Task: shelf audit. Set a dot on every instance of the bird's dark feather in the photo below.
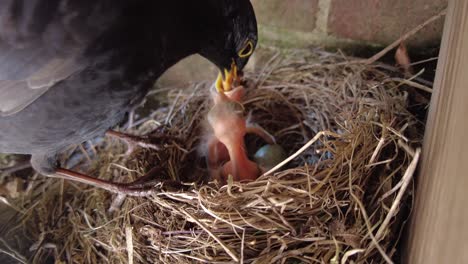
(71, 69)
(40, 42)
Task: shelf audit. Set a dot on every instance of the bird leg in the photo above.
(132, 141)
(140, 187)
(120, 198)
(46, 164)
(117, 203)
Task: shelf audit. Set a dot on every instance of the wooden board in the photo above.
(438, 232)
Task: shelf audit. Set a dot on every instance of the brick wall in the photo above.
(343, 22)
(330, 23)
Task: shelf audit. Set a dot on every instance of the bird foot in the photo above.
(120, 198)
(141, 187)
(117, 202)
(133, 141)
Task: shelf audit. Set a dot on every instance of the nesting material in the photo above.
(342, 197)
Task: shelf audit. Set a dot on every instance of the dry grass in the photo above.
(342, 199)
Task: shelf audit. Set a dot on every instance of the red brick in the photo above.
(384, 21)
(296, 15)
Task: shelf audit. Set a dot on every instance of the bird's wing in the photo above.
(40, 45)
(16, 94)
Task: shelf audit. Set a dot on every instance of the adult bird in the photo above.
(71, 69)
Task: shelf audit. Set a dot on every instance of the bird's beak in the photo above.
(226, 78)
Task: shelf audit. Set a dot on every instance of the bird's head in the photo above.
(231, 37)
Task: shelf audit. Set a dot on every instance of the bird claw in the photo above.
(133, 141)
(145, 185)
(141, 187)
(117, 202)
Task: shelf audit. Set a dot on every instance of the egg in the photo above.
(269, 156)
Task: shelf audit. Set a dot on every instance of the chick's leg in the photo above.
(252, 128)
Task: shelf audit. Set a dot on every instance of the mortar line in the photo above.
(321, 22)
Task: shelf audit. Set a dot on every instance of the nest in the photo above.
(340, 197)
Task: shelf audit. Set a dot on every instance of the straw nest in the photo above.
(341, 198)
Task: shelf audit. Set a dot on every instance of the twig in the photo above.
(223, 245)
(12, 253)
(304, 148)
(406, 180)
(171, 110)
(413, 84)
(129, 240)
(424, 61)
(378, 148)
(404, 37)
(350, 253)
(13, 256)
(375, 242)
(242, 246)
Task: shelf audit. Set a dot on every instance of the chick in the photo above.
(226, 145)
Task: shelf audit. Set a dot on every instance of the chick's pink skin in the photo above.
(235, 95)
(240, 167)
(229, 127)
(217, 152)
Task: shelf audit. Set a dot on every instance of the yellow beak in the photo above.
(225, 84)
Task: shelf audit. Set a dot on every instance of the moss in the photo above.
(289, 39)
(284, 38)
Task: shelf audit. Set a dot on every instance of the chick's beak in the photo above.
(225, 80)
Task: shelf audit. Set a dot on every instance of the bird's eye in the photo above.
(247, 50)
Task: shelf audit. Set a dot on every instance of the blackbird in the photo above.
(71, 69)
